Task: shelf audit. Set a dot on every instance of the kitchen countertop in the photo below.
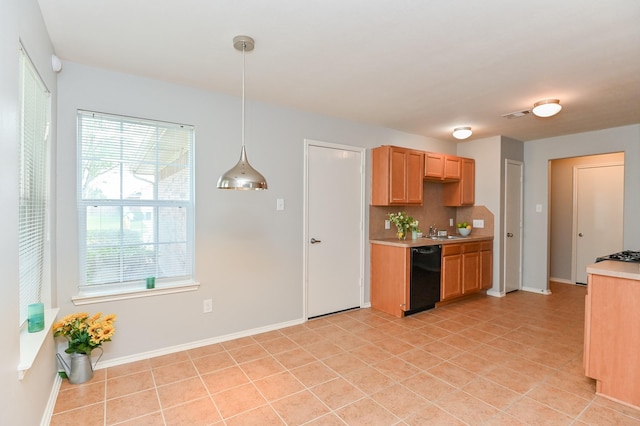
(426, 241)
(613, 268)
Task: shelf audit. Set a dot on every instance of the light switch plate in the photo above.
(478, 223)
(280, 204)
(538, 208)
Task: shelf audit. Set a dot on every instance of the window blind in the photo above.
(34, 183)
(135, 201)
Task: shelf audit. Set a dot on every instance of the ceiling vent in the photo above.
(517, 114)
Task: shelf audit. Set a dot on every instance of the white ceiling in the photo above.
(418, 66)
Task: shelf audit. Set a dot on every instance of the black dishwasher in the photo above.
(424, 288)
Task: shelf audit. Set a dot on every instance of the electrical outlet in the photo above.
(478, 223)
(207, 306)
(450, 221)
(387, 224)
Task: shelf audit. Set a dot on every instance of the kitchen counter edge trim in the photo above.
(611, 268)
(421, 242)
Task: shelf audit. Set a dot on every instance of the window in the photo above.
(35, 103)
(135, 203)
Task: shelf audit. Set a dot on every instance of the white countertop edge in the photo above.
(612, 268)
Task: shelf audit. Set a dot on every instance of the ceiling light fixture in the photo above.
(242, 175)
(546, 108)
(462, 132)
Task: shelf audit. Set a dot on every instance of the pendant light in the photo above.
(242, 175)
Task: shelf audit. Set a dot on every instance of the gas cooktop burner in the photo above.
(623, 256)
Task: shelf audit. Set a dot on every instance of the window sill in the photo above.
(30, 343)
(87, 299)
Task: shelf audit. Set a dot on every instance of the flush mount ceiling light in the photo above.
(242, 175)
(462, 132)
(546, 108)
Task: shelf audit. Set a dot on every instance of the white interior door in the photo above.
(598, 211)
(334, 246)
(513, 226)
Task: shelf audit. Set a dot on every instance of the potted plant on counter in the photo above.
(403, 224)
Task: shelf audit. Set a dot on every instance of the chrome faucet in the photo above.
(433, 231)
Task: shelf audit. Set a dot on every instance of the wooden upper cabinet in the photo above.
(397, 176)
(441, 167)
(462, 193)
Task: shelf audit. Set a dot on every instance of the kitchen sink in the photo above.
(448, 237)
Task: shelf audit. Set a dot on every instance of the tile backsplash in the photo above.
(431, 212)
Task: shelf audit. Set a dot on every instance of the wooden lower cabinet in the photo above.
(486, 265)
(466, 269)
(611, 337)
(390, 278)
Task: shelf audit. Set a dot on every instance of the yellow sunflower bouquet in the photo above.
(85, 333)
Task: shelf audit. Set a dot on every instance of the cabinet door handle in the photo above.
(314, 241)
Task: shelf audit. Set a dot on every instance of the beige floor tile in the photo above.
(132, 383)
(428, 386)
(131, 406)
(173, 372)
(88, 415)
(452, 374)
(466, 407)
(366, 412)
(210, 363)
(224, 379)
(262, 367)
(248, 353)
(368, 367)
(278, 386)
(130, 368)
(295, 358)
(260, 416)
(181, 392)
(337, 393)
(400, 401)
(432, 415)
(300, 408)
(79, 395)
(534, 413)
(234, 401)
(563, 401)
(200, 412)
(314, 373)
(368, 380)
(160, 361)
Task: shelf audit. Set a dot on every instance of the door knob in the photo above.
(580, 234)
(314, 241)
(509, 234)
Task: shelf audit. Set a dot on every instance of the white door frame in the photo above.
(305, 214)
(503, 284)
(574, 219)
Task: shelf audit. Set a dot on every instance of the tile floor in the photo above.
(516, 360)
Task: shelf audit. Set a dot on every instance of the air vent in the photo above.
(517, 114)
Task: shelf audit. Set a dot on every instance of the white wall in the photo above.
(537, 154)
(248, 255)
(21, 402)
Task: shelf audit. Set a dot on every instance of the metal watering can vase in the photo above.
(80, 370)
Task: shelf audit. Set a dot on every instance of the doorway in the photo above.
(562, 220)
(334, 228)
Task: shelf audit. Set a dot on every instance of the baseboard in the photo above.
(546, 292)
(494, 293)
(51, 403)
(192, 345)
(366, 305)
(561, 280)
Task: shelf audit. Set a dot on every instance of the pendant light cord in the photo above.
(244, 45)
